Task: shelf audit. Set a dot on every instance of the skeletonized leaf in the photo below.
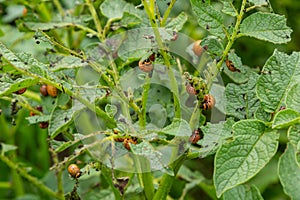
(7, 88)
(238, 161)
(266, 26)
(59, 120)
(289, 173)
(179, 127)
(177, 23)
(244, 192)
(208, 18)
(242, 101)
(279, 74)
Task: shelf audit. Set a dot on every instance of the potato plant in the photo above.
(114, 99)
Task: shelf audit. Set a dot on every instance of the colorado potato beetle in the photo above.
(127, 141)
(20, 91)
(208, 102)
(231, 66)
(74, 171)
(43, 90)
(197, 48)
(43, 125)
(195, 137)
(51, 90)
(146, 65)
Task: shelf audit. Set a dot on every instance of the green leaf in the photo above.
(285, 118)
(7, 147)
(241, 99)
(259, 2)
(238, 161)
(294, 138)
(147, 155)
(214, 45)
(59, 120)
(244, 192)
(27, 64)
(214, 136)
(58, 22)
(38, 118)
(208, 18)
(293, 98)
(266, 26)
(279, 74)
(294, 135)
(289, 173)
(177, 23)
(114, 9)
(179, 127)
(9, 87)
(262, 115)
(229, 9)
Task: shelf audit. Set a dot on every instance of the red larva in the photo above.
(195, 137)
(208, 102)
(43, 90)
(21, 91)
(190, 89)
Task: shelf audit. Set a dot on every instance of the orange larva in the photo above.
(146, 65)
(74, 171)
(195, 137)
(208, 102)
(51, 90)
(21, 91)
(43, 90)
(197, 48)
(231, 66)
(127, 141)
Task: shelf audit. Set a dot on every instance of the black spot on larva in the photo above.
(37, 42)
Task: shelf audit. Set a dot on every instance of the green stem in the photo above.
(167, 13)
(167, 180)
(146, 88)
(59, 7)
(30, 178)
(166, 57)
(233, 35)
(60, 188)
(96, 19)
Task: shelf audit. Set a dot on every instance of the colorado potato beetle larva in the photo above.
(51, 90)
(43, 90)
(20, 91)
(208, 102)
(197, 48)
(74, 171)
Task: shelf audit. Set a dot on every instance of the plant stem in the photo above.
(30, 178)
(146, 88)
(233, 35)
(173, 82)
(167, 180)
(167, 13)
(96, 19)
(59, 7)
